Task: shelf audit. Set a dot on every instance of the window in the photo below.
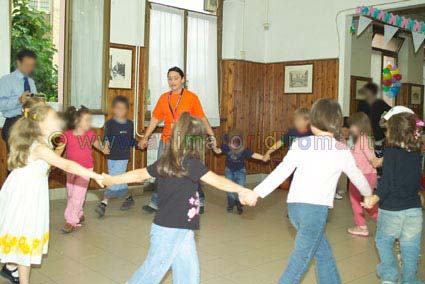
(187, 40)
(191, 5)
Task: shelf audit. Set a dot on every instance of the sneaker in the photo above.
(148, 209)
(338, 196)
(230, 209)
(68, 228)
(359, 231)
(11, 275)
(101, 209)
(202, 210)
(127, 204)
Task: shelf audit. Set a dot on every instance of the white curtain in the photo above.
(87, 53)
(166, 48)
(202, 63)
(4, 43)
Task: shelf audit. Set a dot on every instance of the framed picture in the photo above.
(120, 68)
(211, 5)
(299, 79)
(416, 95)
(360, 83)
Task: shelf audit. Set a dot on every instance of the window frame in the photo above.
(219, 16)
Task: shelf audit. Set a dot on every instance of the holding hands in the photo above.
(248, 197)
(370, 201)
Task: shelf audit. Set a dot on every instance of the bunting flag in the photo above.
(389, 32)
(364, 22)
(418, 39)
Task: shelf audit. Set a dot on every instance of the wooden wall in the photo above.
(252, 99)
(404, 98)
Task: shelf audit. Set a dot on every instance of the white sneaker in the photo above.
(338, 196)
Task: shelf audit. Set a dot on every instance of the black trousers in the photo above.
(10, 121)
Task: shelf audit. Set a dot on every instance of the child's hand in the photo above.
(99, 180)
(377, 163)
(370, 201)
(248, 197)
(266, 157)
(106, 150)
(108, 180)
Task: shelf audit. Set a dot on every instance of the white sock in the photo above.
(12, 267)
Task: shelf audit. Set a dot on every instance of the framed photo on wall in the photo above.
(360, 83)
(299, 79)
(416, 93)
(211, 5)
(120, 68)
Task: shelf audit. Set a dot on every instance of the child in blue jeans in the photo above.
(400, 212)
(236, 153)
(178, 172)
(119, 139)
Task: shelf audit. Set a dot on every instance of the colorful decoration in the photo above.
(391, 19)
(352, 27)
(391, 81)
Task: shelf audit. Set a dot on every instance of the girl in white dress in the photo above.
(24, 197)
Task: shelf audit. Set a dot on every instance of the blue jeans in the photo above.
(170, 247)
(117, 167)
(310, 221)
(238, 177)
(406, 226)
(153, 202)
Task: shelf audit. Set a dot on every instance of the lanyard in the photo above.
(177, 104)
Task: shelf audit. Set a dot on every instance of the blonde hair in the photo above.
(24, 133)
(362, 122)
(302, 112)
(186, 142)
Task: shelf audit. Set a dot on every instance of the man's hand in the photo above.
(143, 143)
(24, 97)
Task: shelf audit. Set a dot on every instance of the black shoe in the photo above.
(127, 204)
(230, 209)
(240, 210)
(148, 209)
(6, 273)
(202, 210)
(100, 210)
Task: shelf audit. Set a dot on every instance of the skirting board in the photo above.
(95, 195)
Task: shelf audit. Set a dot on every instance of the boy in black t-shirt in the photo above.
(119, 138)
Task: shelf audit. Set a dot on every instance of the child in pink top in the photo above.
(79, 139)
(364, 155)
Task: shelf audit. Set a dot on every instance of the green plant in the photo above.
(30, 29)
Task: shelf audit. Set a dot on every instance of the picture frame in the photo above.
(211, 6)
(359, 84)
(416, 93)
(298, 79)
(120, 68)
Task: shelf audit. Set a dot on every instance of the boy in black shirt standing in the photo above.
(119, 138)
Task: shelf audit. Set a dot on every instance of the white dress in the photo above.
(24, 214)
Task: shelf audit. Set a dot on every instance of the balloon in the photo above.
(396, 71)
(387, 76)
(385, 88)
(387, 71)
(397, 84)
(395, 67)
(399, 77)
(395, 90)
(389, 66)
(386, 83)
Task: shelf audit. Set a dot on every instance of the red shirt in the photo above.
(79, 148)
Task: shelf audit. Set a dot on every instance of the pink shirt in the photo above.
(363, 154)
(78, 148)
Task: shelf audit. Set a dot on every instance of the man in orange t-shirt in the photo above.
(168, 109)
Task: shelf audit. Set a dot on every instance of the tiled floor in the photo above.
(252, 248)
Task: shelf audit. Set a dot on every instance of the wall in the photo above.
(4, 38)
(253, 101)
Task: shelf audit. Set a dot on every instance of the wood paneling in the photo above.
(253, 100)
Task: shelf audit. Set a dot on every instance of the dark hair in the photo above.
(72, 115)
(371, 88)
(401, 130)
(25, 53)
(326, 115)
(186, 141)
(176, 69)
(235, 140)
(120, 100)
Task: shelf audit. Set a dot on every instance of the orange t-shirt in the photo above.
(189, 102)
